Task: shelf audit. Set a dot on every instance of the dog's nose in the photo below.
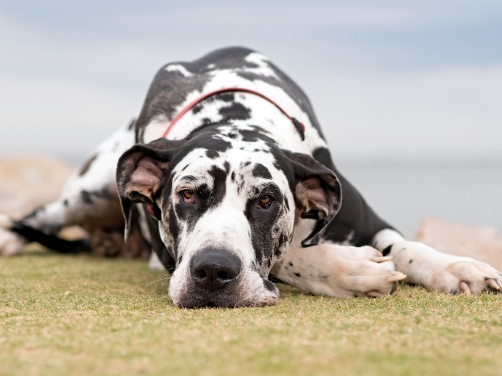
(213, 269)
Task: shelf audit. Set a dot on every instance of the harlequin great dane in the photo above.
(236, 185)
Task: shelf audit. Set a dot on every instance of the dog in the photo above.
(226, 176)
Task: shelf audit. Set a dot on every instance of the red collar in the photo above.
(299, 126)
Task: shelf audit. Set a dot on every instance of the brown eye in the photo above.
(264, 202)
(188, 196)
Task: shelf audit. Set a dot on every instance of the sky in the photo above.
(398, 80)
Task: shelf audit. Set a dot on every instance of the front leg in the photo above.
(338, 271)
(434, 270)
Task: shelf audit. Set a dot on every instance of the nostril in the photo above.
(223, 275)
(201, 273)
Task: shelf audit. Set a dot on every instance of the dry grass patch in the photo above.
(66, 315)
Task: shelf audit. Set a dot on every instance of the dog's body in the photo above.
(242, 186)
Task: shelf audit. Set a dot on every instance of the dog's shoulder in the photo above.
(176, 83)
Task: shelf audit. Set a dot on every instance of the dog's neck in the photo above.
(243, 109)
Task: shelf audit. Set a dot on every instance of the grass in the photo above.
(67, 315)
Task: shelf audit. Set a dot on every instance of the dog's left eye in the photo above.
(264, 202)
(188, 196)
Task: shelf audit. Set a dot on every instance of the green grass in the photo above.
(67, 315)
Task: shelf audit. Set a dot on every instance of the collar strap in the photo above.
(299, 126)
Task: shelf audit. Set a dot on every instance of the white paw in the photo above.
(364, 272)
(372, 279)
(10, 243)
(468, 276)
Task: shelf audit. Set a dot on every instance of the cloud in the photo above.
(59, 117)
(455, 110)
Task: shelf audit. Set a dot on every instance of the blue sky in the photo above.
(387, 78)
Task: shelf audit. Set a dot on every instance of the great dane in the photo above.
(236, 188)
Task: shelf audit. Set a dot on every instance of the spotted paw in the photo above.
(339, 271)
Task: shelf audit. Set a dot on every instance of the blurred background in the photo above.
(409, 93)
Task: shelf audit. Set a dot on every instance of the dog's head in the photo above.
(226, 199)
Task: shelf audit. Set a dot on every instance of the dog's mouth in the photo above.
(238, 295)
(226, 302)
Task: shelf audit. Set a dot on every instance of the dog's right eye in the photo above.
(188, 196)
(264, 202)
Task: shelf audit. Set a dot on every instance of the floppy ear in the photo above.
(318, 193)
(141, 175)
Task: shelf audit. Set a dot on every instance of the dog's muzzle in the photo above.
(218, 277)
(214, 269)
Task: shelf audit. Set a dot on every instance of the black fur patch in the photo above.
(226, 97)
(268, 285)
(235, 111)
(263, 221)
(212, 154)
(204, 200)
(87, 165)
(273, 278)
(355, 217)
(260, 171)
(51, 241)
(387, 250)
(86, 197)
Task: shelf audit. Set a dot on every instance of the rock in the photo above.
(481, 243)
(29, 182)
(72, 233)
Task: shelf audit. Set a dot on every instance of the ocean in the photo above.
(403, 196)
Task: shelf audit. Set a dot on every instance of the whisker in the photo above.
(158, 280)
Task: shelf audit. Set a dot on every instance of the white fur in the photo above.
(179, 68)
(263, 68)
(155, 263)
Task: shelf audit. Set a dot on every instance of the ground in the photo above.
(67, 315)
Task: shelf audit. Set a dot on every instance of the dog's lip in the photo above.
(212, 303)
(196, 297)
